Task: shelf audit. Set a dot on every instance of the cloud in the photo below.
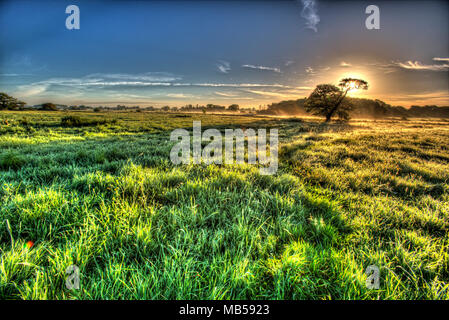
(148, 76)
(179, 95)
(223, 66)
(250, 66)
(267, 93)
(233, 85)
(32, 89)
(441, 59)
(234, 95)
(436, 97)
(310, 13)
(384, 67)
(416, 65)
(310, 70)
(77, 86)
(110, 80)
(15, 74)
(136, 88)
(223, 94)
(435, 94)
(121, 83)
(289, 93)
(116, 83)
(23, 64)
(345, 64)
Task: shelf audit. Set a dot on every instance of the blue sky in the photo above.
(223, 52)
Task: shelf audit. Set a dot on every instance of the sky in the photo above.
(196, 52)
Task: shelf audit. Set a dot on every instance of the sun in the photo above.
(355, 88)
(352, 86)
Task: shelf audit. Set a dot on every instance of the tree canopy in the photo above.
(48, 106)
(9, 103)
(328, 100)
(234, 107)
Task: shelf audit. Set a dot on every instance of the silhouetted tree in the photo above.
(328, 100)
(10, 103)
(234, 107)
(48, 106)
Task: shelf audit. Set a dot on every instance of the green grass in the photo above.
(99, 191)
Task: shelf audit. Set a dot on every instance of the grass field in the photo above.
(99, 191)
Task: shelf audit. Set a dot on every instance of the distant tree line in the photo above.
(361, 108)
(209, 108)
(350, 107)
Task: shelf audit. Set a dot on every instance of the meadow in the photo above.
(98, 190)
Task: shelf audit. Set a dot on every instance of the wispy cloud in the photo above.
(32, 89)
(138, 88)
(250, 66)
(384, 67)
(148, 76)
(441, 59)
(180, 95)
(268, 93)
(94, 83)
(310, 70)
(224, 94)
(14, 74)
(233, 85)
(436, 97)
(310, 13)
(234, 95)
(313, 71)
(290, 93)
(223, 66)
(394, 66)
(416, 65)
(23, 64)
(345, 64)
(97, 81)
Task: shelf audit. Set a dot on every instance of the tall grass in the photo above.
(105, 197)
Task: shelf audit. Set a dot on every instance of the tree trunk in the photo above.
(335, 108)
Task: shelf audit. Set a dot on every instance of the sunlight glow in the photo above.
(352, 86)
